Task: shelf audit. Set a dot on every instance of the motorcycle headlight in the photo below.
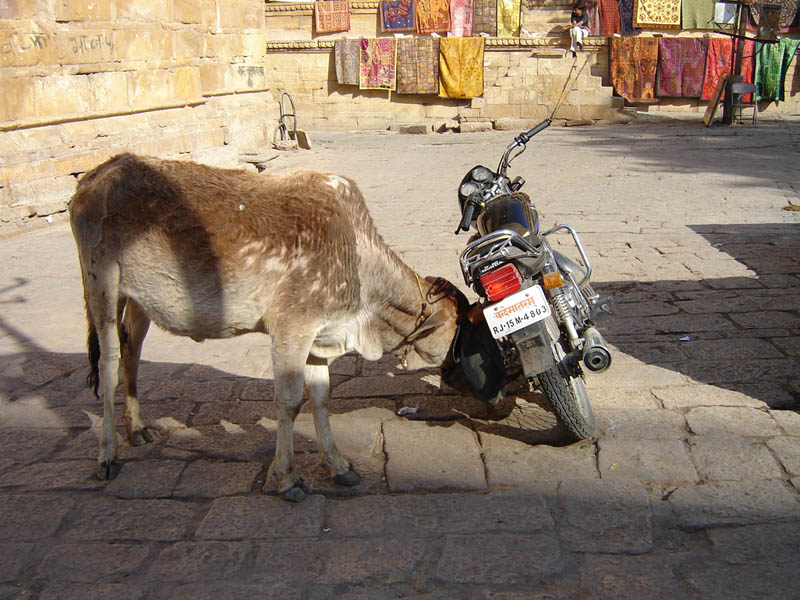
(481, 174)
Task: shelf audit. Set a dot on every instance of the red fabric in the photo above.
(718, 64)
(609, 17)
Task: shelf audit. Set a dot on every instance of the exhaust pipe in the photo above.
(596, 355)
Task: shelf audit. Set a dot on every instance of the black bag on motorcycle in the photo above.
(475, 365)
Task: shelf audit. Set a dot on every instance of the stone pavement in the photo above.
(691, 491)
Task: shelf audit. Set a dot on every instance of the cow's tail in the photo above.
(93, 347)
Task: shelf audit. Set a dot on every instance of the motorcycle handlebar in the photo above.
(469, 211)
(524, 138)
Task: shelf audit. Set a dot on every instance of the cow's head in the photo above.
(443, 308)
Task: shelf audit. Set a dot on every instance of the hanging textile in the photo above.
(432, 16)
(657, 14)
(508, 18)
(397, 15)
(772, 62)
(378, 61)
(331, 15)
(460, 18)
(718, 64)
(418, 65)
(484, 17)
(697, 14)
(681, 64)
(593, 14)
(609, 17)
(461, 67)
(346, 59)
(633, 67)
(789, 20)
(626, 18)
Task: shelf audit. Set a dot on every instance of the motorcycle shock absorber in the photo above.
(564, 316)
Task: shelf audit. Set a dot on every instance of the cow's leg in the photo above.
(102, 300)
(133, 330)
(288, 357)
(317, 380)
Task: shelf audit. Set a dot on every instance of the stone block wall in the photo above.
(83, 80)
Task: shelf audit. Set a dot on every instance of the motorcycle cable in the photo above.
(563, 94)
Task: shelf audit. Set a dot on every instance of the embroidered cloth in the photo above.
(772, 62)
(718, 64)
(378, 62)
(626, 17)
(633, 67)
(508, 18)
(460, 18)
(592, 9)
(609, 17)
(418, 65)
(397, 15)
(681, 64)
(432, 16)
(346, 59)
(484, 17)
(331, 15)
(790, 15)
(657, 14)
(461, 67)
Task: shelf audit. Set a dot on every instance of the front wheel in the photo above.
(570, 401)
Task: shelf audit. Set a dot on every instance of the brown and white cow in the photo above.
(214, 253)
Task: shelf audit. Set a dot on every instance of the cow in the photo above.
(213, 253)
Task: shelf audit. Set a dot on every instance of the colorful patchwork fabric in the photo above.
(346, 58)
(432, 16)
(633, 67)
(718, 64)
(508, 18)
(418, 65)
(378, 62)
(484, 17)
(397, 15)
(461, 67)
(460, 18)
(331, 15)
(657, 14)
(681, 64)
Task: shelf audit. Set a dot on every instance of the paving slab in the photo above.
(647, 460)
(720, 457)
(747, 422)
(734, 503)
(424, 456)
(611, 517)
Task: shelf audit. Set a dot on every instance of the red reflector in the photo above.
(499, 283)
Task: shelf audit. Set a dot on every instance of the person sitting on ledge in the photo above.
(579, 27)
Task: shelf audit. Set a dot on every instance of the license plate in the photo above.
(517, 311)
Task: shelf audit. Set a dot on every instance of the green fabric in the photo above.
(697, 14)
(772, 62)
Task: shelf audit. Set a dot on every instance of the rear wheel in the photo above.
(570, 401)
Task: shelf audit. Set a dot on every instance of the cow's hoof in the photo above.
(108, 470)
(348, 478)
(140, 437)
(296, 493)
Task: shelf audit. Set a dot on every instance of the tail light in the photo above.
(500, 282)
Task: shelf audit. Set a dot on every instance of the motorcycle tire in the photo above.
(570, 401)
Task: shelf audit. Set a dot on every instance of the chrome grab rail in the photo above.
(500, 241)
(581, 250)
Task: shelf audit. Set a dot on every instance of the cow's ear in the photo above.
(435, 320)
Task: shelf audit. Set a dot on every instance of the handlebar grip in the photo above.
(466, 218)
(525, 137)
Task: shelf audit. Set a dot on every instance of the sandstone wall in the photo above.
(84, 79)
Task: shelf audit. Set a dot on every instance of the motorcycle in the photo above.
(537, 310)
